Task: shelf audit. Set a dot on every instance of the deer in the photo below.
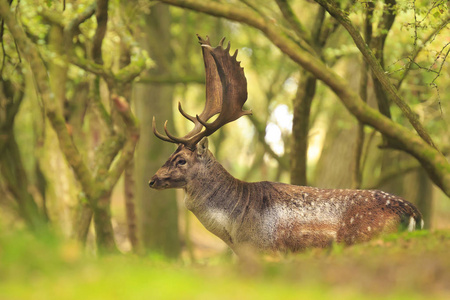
(269, 217)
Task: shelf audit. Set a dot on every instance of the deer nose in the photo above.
(151, 183)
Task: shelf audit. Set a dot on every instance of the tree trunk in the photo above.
(130, 206)
(62, 184)
(424, 197)
(104, 232)
(159, 212)
(82, 222)
(300, 128)
(12, 168)
(16, 180)
(333, 168)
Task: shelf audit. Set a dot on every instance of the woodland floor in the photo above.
(405, 266)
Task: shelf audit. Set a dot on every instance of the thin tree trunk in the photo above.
(360, 136)
(424, 197)
(187, 235)
(300, 128)
(129, 182)
(130, 206)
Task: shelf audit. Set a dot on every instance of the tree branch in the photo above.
(420, 48)
(292, 19)
(376, 67)
(101, 13)
(132, 127)
(71, 28)
(377, 45)
(132, 70)
(91, 67)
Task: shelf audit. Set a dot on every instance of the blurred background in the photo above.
(81, 81)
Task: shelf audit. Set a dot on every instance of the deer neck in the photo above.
(213, 195)
(212, 187)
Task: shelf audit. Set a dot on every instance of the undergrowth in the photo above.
(403, 266)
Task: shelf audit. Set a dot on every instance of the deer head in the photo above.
(226, 93)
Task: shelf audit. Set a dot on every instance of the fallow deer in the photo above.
(268, 216)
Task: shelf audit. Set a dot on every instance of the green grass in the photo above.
(406, 266)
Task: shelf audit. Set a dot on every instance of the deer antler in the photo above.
(226, 93)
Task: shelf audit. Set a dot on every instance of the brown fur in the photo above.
(273, 216)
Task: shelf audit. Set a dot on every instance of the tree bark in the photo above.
(104, 233)
(300, 128)
(424, 198)
(130, 207)
(159, 212)
(11, 164)
(82, 221)
(16, 181)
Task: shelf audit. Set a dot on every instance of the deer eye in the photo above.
(181, 162)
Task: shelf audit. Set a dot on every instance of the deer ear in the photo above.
(202, 146)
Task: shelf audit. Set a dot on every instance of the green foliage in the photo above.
(405, 266)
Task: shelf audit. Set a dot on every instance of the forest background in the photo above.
(344, 94)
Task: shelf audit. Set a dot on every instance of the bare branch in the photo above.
(418, 50)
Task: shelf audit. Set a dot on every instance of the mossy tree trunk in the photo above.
(12, 170)
(104, 232)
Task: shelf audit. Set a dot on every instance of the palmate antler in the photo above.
(226, 93)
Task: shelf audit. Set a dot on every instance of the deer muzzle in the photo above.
(158, 184)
